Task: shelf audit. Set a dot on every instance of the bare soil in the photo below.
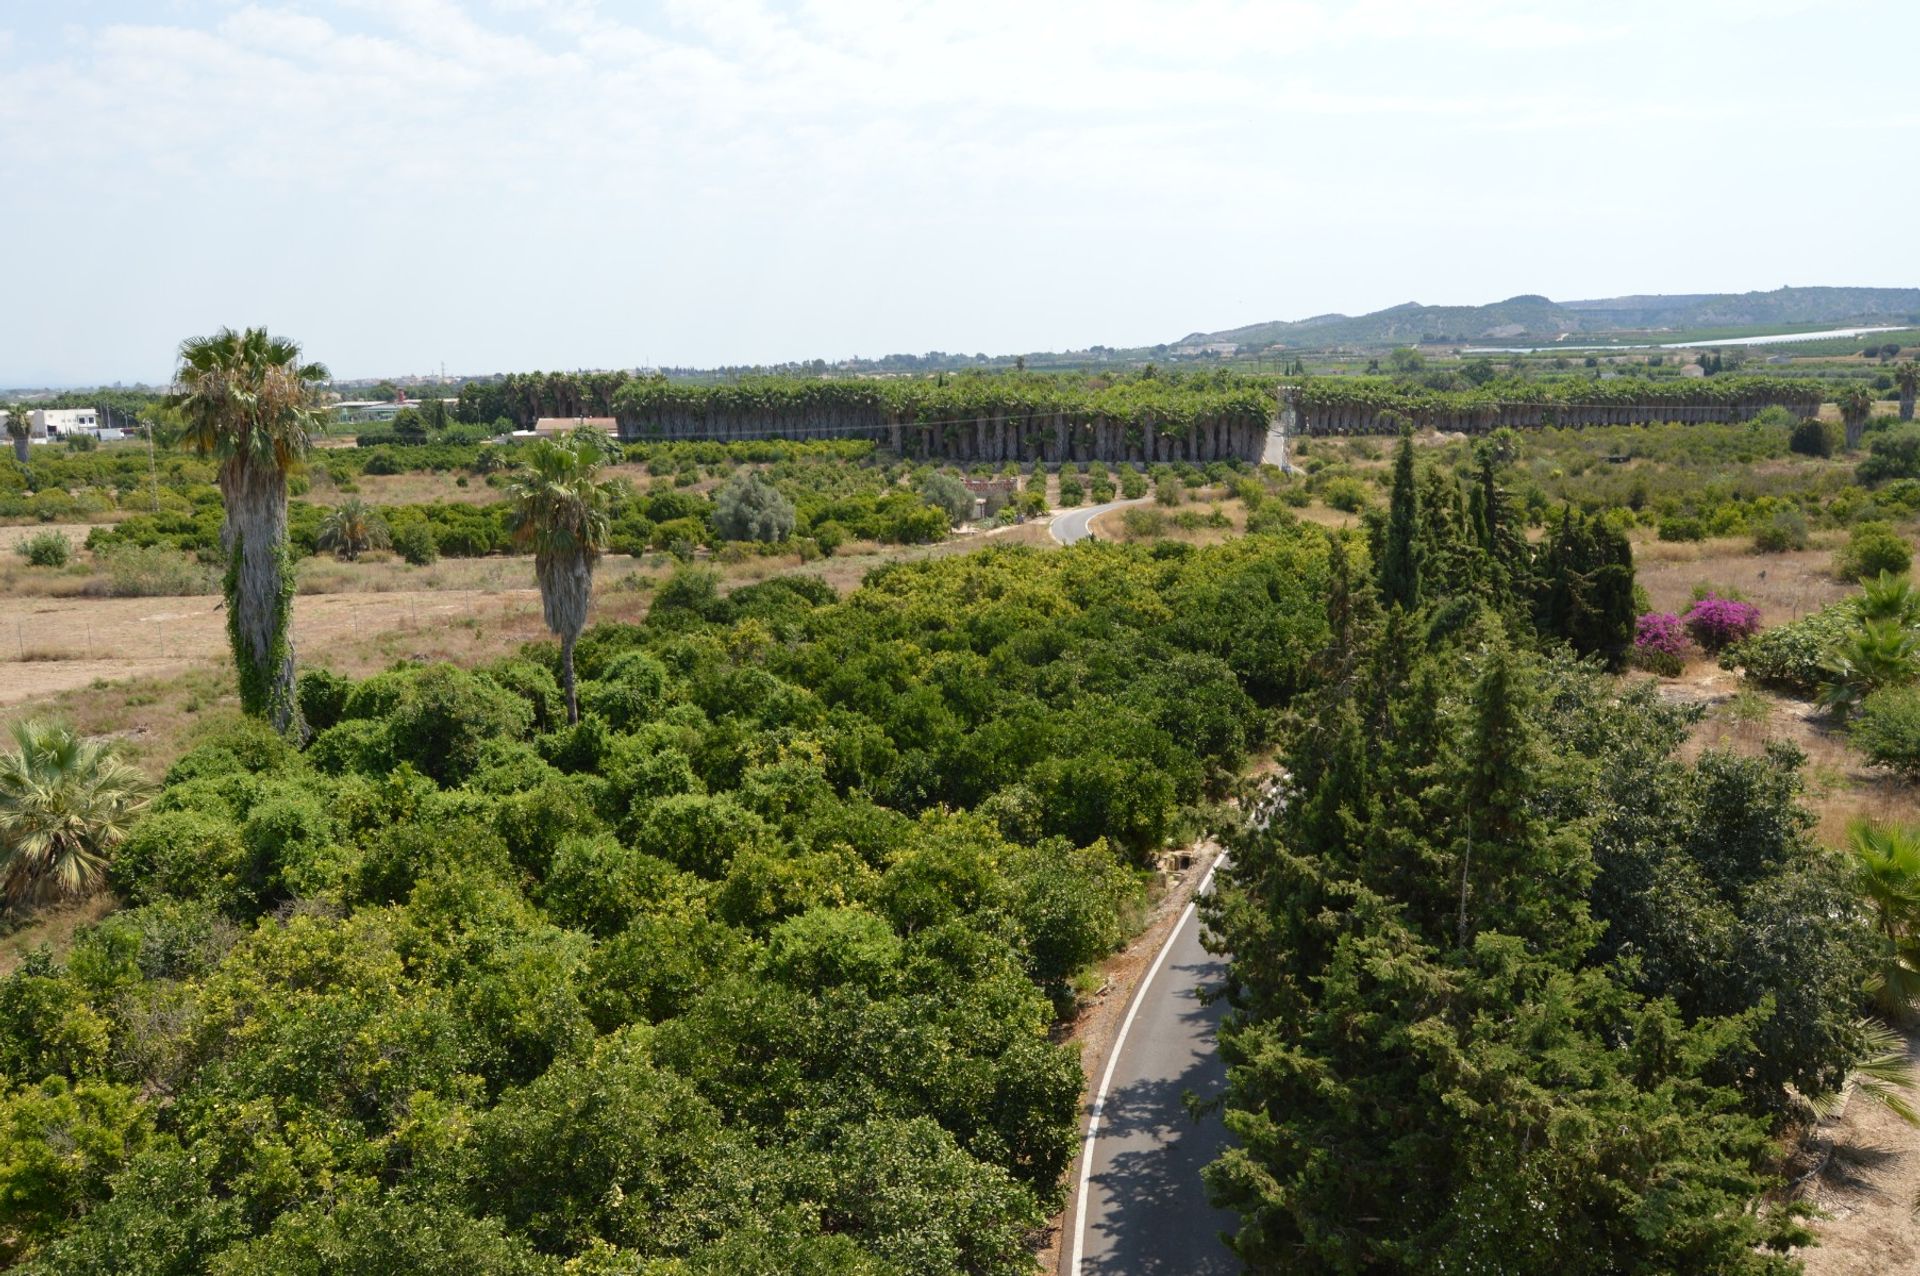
(1867, 1189)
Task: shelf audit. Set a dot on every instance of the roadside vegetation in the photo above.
(743, 929)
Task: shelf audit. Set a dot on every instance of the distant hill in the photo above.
(1530, 316)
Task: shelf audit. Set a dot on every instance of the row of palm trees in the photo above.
(251, 402)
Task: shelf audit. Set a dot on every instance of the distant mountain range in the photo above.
(1537, 317)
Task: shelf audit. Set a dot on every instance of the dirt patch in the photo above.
(1783, 586)
(51, 928)
(1867, 1187)
(13, 534)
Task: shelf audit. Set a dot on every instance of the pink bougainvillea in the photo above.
(1660, 633)
(1717, 622)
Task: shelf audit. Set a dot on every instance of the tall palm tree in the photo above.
(353, 527)
(65, 803)
(249, 401)
(1906, 375)
(19, 429)
(1856, 404)
(560, 513)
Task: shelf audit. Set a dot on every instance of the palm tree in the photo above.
(1856, 404)
(352, 528)
(560, 513)
(65, 803)
(1890, 597)
(19, 429)
(1886, 875)
(249, 401)
(1906, 375)
(1881, 653)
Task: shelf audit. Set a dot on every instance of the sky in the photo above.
(493, 185)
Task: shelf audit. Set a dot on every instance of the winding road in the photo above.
(1141, 1209)
(1069, 526)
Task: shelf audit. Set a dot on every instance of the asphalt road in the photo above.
(1073, 525)
(1142, 1210)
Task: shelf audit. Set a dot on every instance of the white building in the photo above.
(50, 425)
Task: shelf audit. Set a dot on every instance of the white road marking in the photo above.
(1113, 1058)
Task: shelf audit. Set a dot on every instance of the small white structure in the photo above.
(51, 425)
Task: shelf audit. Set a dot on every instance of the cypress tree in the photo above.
(1400, 548)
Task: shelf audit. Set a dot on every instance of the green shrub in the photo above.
(1892, 454)
(1133, 484)
(748, 508)
(1143, 524)
(1344, 493)
(185, 855)
(1071, 493)
(1792, 657)
(949, 495)
(447, 716)
(1271, 517)
(150, 571)
(1169, 491)
(1682, 527)
(323, 698)
(1812, 438)
(1786, 530)
(414, 542)
(1872, 548)
(1888, 729)
(46, 549)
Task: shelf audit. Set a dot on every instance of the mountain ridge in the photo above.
(1534, 316)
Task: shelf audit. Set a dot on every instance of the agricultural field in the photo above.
(776, 885)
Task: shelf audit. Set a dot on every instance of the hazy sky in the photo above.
(500, 184)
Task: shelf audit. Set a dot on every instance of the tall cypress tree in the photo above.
(1400, 550)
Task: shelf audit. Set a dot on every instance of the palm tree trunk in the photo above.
(566, 675)
(1906, 414)
(259, 591)
(20, 440)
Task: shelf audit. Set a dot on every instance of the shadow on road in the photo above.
(1154, 1219)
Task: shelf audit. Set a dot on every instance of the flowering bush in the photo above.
(1717, 622)
(1660, 643)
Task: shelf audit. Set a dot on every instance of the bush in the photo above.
(1893, 454)
(1888, 730)
(1344, 493)
(1812, 438)
(1873, 548)
(1133, 484)
(1660, 644)
(949, 495)
(1682, 527)
(1169, 491)
(447, 716)
(46, 549)
(1716, 623)
(748, 508)
(414, 542)
(1270, 518)
(148, 571)
(1071, 493)
(1786, 530)
(323, 698)
(1793, 657)
(1143, 524)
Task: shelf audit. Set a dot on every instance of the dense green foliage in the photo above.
(753, 969)
(1512, 984)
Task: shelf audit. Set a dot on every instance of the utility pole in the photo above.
(153, 471)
